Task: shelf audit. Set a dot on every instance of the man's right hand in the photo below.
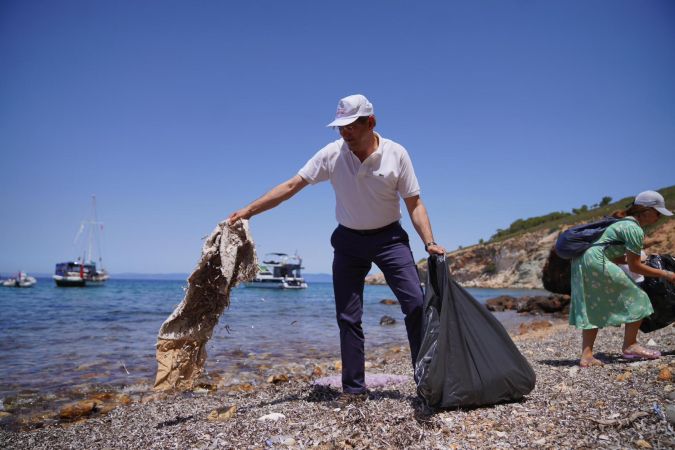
(243, 213)
(272, 198)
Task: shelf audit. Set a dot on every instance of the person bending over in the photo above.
(603, 294)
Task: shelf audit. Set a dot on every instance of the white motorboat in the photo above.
(279, 271)
(21, 280)
(83, 271)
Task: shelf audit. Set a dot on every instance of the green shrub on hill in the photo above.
(526, 224)
(555, 220)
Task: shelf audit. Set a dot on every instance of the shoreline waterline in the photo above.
(63, 345)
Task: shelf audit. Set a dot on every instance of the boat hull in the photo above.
(77, 282)
(69, 282)
(21, 284)
(276, 284)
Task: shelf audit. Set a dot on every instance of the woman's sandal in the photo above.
(641, 353)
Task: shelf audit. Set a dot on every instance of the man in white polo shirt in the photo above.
(368, 173)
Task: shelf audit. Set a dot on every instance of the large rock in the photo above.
(532, 305)
(511, 263)
(389, 301)
(501, 303)
(387, 320)
(80, 409)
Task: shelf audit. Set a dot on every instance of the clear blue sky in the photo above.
(176, 113)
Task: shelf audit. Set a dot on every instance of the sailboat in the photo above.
(83, 271)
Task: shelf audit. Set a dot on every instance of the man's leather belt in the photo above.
(370, 232)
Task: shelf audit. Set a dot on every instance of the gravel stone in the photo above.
(569, 408)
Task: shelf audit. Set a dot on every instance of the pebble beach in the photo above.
(625, 404)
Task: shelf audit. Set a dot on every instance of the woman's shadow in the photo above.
(606, 358)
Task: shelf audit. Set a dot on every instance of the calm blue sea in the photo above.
(56, 339)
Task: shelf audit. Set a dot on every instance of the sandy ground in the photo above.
(624, 404)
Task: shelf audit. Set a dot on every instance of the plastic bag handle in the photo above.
(436, 278)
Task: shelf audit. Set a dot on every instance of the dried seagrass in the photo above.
(228, 257)
(620, 422)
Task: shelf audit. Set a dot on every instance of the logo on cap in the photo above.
(343, 110)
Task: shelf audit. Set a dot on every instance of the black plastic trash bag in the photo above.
(466, 358)
(661, 293)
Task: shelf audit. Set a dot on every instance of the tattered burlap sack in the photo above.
(228, 257)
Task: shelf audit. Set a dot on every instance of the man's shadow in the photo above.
(320, 393)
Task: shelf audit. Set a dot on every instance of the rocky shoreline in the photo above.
(624, 404)
(558, 305)
(518, 262)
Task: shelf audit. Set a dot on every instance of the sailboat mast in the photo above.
(92, 224)
(98, 229)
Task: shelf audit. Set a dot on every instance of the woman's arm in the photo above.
(636, 266)
(620, 260)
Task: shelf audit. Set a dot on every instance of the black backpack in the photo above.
(573, 242)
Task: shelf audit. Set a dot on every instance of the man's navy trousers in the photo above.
(354, 253)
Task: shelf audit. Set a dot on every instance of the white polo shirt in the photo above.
(366, 193)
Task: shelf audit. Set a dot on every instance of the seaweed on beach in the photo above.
(624, 404)
(228, 257)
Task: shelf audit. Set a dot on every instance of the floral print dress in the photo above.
(602, 294)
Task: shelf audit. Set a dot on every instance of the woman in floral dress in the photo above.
(602, 294)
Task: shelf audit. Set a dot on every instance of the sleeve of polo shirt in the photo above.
(316, 169)
(407, 181)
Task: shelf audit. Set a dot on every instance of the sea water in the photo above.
(56, 339)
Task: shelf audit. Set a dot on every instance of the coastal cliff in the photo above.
(517, 262)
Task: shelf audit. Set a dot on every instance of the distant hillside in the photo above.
(309, 277)
(514, 258)
(582, 214)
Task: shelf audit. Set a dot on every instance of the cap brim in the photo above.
(342, 121)
(663, 211)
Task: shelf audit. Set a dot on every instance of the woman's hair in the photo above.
(632, 210)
